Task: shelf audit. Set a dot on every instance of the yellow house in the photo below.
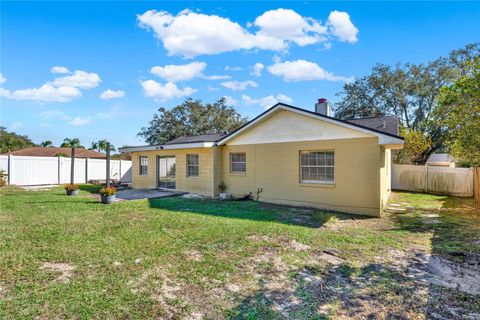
(286, 155)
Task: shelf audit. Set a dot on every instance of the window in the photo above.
(192, 165)
(317, 166)
(238, 163)
(143, 165)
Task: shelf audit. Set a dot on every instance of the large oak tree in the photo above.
(192, 117)
(409, 91)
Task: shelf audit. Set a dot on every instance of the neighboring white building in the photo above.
(441, 160)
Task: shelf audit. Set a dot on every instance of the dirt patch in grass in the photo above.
(193, 255)
(65, 270)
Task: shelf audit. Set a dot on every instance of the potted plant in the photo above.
(221, 188)
(108, 194)
(3, 178)
(72, 189)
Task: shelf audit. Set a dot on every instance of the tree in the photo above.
(10, 141)
(101, 145)
(46, 143)
(460, 113)
(93, 146)
(415, 144)
(71, 143)
(409, 91)
(191, 118)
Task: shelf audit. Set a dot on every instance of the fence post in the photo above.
(476, 185)
(59, 170)
(9, 168)
(86, 170)
(426, 178)
(120, 171)
(108, 165)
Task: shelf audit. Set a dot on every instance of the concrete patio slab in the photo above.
(136, 194)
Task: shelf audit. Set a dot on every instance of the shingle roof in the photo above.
(388, 124)
(53, 151)
(213, 137)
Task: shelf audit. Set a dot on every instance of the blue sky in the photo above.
(206, 50)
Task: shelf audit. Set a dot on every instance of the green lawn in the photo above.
(72, 257)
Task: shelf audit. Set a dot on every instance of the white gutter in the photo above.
(167, 147)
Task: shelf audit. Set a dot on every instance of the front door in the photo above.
(166, 172)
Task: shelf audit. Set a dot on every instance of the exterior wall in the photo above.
(272, 130)
(362, 174)
(385, 175)
(217, 156)
(203, 184)
(275, 169)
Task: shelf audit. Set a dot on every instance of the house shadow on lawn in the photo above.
(453, 222)
(376, 291)
(251, 210)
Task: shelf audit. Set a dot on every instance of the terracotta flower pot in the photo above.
(108, 199)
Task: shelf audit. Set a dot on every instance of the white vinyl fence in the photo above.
(441, 180)
(29, 171)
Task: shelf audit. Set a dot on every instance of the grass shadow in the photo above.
(251, 210)
(90, 188)
(340, 291)
(453, 222)
(374, 291)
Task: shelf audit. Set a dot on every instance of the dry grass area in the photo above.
(173, 258)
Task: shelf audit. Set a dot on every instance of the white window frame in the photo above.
(232, 162)
(301, 166)
(140, 165)
(189, 165)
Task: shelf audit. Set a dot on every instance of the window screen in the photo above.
(238, 163)
(317, 166)
(143, 165)
(193, 167)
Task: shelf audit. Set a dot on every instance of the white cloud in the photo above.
(2, 79)
(58, 69)
(302, 70)
(61, 89)
(45, 93)
(79, 79)
(15, 126)
(216, 77)
(175, 73)
(230, 101)
(111, 94)
(54, 114)
(231, 68)
(282, 25)
(257, 69)
(45, 125)
(341, 26)
(268, 101)
(238, 85)
(168, 91)
(191, 34)
(81, 121)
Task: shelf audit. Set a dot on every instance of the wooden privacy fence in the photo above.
(25, 171)
(476, 185)
(441, 180)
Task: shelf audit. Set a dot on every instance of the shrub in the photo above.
(71, 187)
(3, 180)
(108, 191)
(222, 187)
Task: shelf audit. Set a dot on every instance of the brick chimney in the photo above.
(323, 107)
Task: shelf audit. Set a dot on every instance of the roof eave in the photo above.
(168, 147)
